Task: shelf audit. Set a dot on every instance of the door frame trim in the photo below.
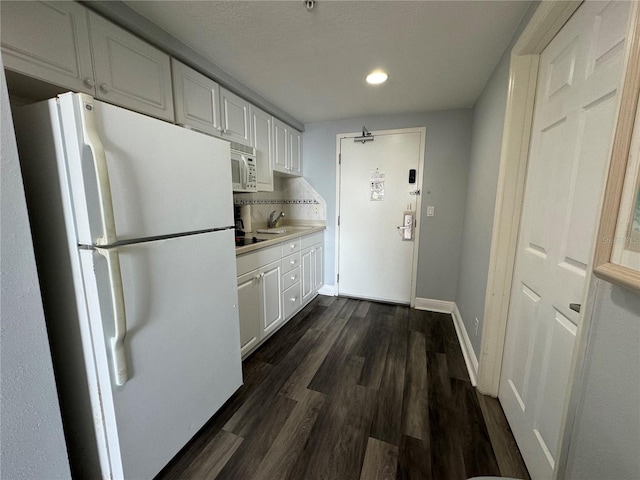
(416, 249)
(545, 23)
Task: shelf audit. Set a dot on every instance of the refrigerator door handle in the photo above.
(118, 357)
(92, 140)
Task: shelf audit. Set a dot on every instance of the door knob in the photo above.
(575, 307)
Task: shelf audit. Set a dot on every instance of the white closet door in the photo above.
(576, 100)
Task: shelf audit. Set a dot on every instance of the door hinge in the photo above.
(338, 220)
(338, 278)
(339, 159)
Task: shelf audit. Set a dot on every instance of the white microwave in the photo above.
(243, 170)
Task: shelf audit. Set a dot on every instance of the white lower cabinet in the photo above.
(274, 283)
(311, 260)
(259, 295)
(271, 286)
(319, 267)
(249, 306)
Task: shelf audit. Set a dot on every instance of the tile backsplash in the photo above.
(293, 196)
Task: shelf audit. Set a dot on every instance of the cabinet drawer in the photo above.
(290, 246)
(288, 279)
(291, 300)
(251, 261)
(312, 239)
(290, 262)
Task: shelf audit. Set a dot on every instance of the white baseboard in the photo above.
(443, 306)
(329, 290)
(465, 344)
(440, 306)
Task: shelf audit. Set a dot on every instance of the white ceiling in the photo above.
(439, 54)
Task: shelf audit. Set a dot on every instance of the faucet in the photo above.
(273, 220)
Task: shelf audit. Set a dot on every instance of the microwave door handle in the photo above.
(246, 171)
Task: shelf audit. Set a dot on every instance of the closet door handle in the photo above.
(575, 307)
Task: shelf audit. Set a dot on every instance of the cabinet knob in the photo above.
(89, 82)
(104, 87)
(293, 300)
(293, 262)
(293, 277)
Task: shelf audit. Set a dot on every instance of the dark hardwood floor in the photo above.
(353, 389)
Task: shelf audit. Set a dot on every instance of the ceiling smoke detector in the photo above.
(309, 4)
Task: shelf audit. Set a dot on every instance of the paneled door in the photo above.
(376, 189)
(576, 101)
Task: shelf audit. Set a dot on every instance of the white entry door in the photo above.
(375, 260)
(576, 100)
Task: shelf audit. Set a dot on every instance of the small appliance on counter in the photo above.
(239, 224)
(245, 216)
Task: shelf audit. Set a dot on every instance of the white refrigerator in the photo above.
(132, 221)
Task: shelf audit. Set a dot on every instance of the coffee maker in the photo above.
(238, 221)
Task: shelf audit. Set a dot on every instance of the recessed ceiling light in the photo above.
(376, 77)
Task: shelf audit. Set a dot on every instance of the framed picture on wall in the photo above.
(618, 250)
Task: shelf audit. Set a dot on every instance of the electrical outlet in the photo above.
(431, 211)
(477, 325)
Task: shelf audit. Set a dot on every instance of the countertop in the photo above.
(291, 231)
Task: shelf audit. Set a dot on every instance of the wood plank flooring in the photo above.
(352, 389)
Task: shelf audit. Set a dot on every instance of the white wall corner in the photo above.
(329, 290)
(465, 344)
(440, 306)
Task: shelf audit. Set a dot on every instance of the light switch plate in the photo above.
(431, 211)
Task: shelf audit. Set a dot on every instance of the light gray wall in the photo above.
(31, 435)
(605, 439)
(605, 442)
(484, 163)
(444, 186)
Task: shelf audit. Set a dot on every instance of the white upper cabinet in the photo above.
(236, 126)
(287, 149)
(196, 99)
(130, 72)
(280, 146)
(48, 41)
(295, 152)
(262, 140)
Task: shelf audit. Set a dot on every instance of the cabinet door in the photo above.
(263, 143)
(280, 146)
(196, 99)
(270, 279)
(295, 152)
(318, 281)
(307, 267)
(48, 41)
(129, 71)
(249, 304)
(235, 118)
